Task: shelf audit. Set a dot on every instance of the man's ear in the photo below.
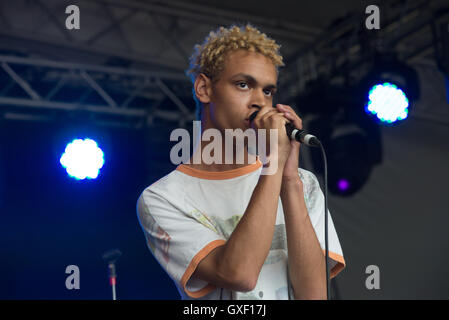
(203, 88)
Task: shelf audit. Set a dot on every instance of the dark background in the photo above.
(51, 221)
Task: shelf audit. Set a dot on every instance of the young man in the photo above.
(224, 230)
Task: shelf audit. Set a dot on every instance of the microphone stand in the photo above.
(112, 279)
(111, 257)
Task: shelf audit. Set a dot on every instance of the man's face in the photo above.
(246, 84)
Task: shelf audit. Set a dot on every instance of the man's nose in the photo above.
(258, 99)
(255, 106)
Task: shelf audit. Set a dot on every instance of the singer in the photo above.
(225, 231)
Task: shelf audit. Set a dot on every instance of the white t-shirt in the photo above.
(189, 212)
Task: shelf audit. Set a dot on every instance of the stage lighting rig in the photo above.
(389, 89)
(81, 148)
(82, 159)
(351, 139)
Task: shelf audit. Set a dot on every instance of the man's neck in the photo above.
(235, 162)
(239, 158)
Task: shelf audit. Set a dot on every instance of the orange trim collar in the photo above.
(219, 175)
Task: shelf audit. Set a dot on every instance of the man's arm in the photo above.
(306, 263)
(237, 264)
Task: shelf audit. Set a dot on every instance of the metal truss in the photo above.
(348, 46)
(121, 97)
(131, 55)
(342, 55)
(141, 46)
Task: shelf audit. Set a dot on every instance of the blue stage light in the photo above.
(387, 102)
(82, 159)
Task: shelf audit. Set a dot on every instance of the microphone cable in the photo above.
(326, 240)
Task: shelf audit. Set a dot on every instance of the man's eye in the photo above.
(269, 92)
(242, 85)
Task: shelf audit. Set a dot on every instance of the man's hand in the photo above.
(269, 118)
(292, 163)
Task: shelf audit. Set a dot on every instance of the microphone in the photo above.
(295, 133)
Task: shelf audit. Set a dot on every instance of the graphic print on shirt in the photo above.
(203, 219)
(274, 265)
(223, 227)
(226, 226)
(157, 237)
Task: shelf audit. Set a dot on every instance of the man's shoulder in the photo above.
(169, 189)
(171, 183)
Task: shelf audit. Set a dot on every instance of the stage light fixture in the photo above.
(349, 164)
(82, 159)
(389, 90)
(80, 148)
(387, 102)
(353, 146)
(343, 184)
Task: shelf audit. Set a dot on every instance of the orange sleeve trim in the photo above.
(192, 266)
(341, 263)
(219, 175)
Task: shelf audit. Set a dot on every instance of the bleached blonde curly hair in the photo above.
(209, 57)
